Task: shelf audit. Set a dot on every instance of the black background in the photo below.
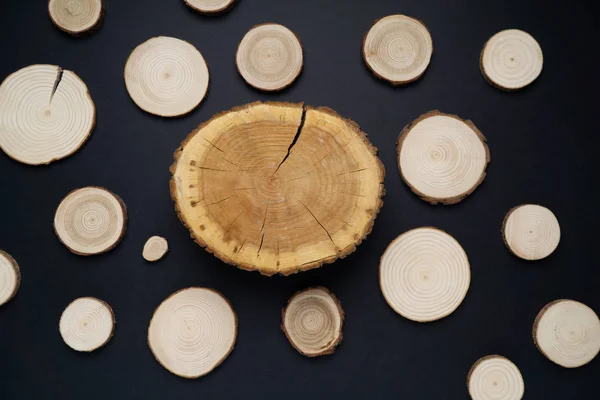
(543, 143)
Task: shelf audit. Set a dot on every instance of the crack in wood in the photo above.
(262, 230)
(295, 139)
(59, 76)
(213, 145)
(320, 224)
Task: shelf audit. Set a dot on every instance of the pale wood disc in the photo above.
(155, 248)
(192, 332)
(424, 274)
(495, 378)
(90, 220)
(567, 332)
(46, 113)
(210, 6)
(511, 59)
(312, 321)
(531, 231)
(76, 16)
(270, 57)
(87, 324)
(398, 49)
(10, 277)
(442, 158)
(277, 188)
(166, 76)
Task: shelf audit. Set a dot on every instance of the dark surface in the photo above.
(543, 142)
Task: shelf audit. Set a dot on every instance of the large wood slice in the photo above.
(278, 187)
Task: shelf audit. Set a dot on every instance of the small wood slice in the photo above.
(10, 277)
(424, 274)
(278, 187)
(210, 6)
(531, 232)
(76, 17)
(90, 220)
(511, 59)
(442, 158)
(312, 322)
(398, 49)
(46, 113)
(270, 57)
(495, 378)
(567, 332)
(87, 324)
(192, 332)
(155, 248)
(166, 76)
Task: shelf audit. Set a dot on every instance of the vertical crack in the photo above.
(262, 230)
(59, 76)
(318, 222)
(296, 137)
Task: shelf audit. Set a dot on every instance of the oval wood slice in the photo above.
(567, 332)
(87, 324)
(270, 57)
(442, 158)
(511, 59)
(531, 232)
(155, 248)
(312, 322)
(10, 277)
(210, 6)
(76, 17)
(495, 378)
(398, 49)
(90, 220)
(166, 76)
(424, 274)
(46, 113)
(192, 332)
(276, 187)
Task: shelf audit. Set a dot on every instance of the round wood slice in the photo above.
(210, 6)
(270, 57)
(155, 248)
(567, 332)
(424, 274)
(531, 232)
(90, 220)
(192, 332)
(442, 158)
(312, 322)
(398, 49)
(166, 76)
(10, 277)
(511, 59)
(87, 324)
(46, 113)
(495, 378)
(76, 17)
(276, 187)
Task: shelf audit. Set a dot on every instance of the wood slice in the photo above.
(276, 187)
(155, 248)
(567, 332)
(210, 6)
(531, 232)
(511, 59)
(270, 57)
(46, 113)
(192, 332)
(90, 220)
(10, 277)
(312, 322)
(424, 274)
(76, 17)
(87, 324)
(442, 158)
(495, 378)
(398, 49)
(166, 76)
